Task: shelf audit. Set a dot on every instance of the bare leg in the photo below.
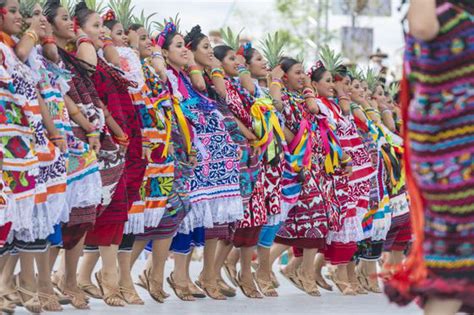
(192, 287)
(223, 250)
(86, 268)
(138, 247)
(125, 279)
(109, 275)
(208, 274)
(276, 251)
(442, 307)
(319, 263)
(245, 276)
(179, 277)
(233, 257)
(307, 265)
(7, 284)
(27, 283)
(264, 268)
(45, 288)
(160, 253)
(293, 265)
(53, 255)
(70, 263)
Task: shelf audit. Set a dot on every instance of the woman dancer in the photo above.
(439, 163)
(239, 101)
(208, 184)
(33, 227)
(306, 226)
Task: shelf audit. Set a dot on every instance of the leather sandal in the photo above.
(91, 290)
(266, 287)
(154, 288)
(226, 289)
(130, 296)
(32, 303)
(293, 278)
(344, 287)
(231, 272)
(182, 292)
(211, 290)
(49, 302)
(6, 306)
(309, 286)
(113, 297)
(249, 290)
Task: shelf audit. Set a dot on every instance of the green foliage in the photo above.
(272, 48)
(372, 79)
(161, 25)
(69, 5)
(26, 7)
(230, 38)
(123, 11)
(96, 5)
(330, 59)
(145, 20)
(393, 89)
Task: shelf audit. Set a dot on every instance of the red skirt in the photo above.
(73, 234)
(246, 237)
(340, 253)
(304, 243)
(105, 235)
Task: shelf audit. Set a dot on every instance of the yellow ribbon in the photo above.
(168, 118)
(182, 122)
(259, 116)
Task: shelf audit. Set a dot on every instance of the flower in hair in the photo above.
(169, 29)
(109, 16)
(244, 49)
(318, 65)
(3, 11)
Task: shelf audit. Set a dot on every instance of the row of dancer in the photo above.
(114, 141)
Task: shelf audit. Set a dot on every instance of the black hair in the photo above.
(82, 13)
(221, 51)
(50, 9)
(134, 27)
(110, 24)
(194, 37)
(248, 54)
(317, 75)
(287, 63)
(169, 40)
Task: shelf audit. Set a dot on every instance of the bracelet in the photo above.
(346, 160)
(308, 96)
(32, 34)
(72, 114)
(217, 75)
(124, 141)
(277, 84)
(48, 40)
(107, 43)
(156, 54)
(193, 152)
(217, 70)
(83, 39)
(242, 70)
(195, 71)
(92, 134)
(277, 80)
(385, 110)
(344, 97)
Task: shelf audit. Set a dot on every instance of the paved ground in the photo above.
(291, 301)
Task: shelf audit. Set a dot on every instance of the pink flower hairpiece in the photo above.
(169, 29)
(318, 65)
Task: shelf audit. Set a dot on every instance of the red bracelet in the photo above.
(83, 40)
(48, 40)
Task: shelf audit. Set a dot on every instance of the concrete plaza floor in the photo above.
(291, 301)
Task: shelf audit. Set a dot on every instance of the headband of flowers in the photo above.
(170, 28)
(109, 16)
(244, 49)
